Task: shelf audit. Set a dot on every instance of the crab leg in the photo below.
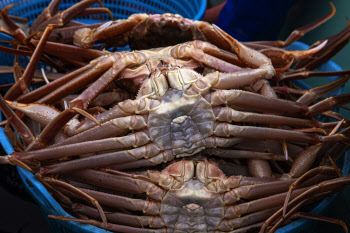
(255, 102)
(129, 59)
(122, 183)
(302, 178)
(282, 59)
(78, 192)
(110, 226)
(19, 35)
(121, 218)
(64, 51)
(276, 200)
(49, 16)
(297, 75)
(334, 45)
(116, 201)
(240, 154)
(22, 129)
(47, 13)
(264, 104)
(36, 94)
(123, 109)
(24, 82)
(248, 220)
(316, 92)
(248, 56)
(296, 34)
(102, 67)
(38, 112)
(66, 34)
(183, 51)
(107, 159)
(228, 114)
(110, 128)
(216, 52)
(86, 37)
(226, 130)
(329, 103)
(329, 185)
(136, 139)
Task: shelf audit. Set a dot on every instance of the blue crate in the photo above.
(121, 9)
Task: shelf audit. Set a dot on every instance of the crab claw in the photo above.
(282, 58)
(248, 56)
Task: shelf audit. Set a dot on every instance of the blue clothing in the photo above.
(252, 20)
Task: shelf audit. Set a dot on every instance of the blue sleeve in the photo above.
(251, 20)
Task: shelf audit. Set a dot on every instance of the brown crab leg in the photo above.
(184, 51)
(248, 56)
(256, 102)
(110, 128)
(14, 30)
(20, 36)
(329, 103)
(69, 51)
(121, 218)
(66, 34)
(296, 34)
(36, 94)
(240, 154)
(21, 128)
(226, 130)
(292, 215)
(270, 146)
(282, 59)
(228, 114)
(107, 159)
(334, 45)
(329, 185)
(116, 201)
(38, 112)
(15, 51)
(276, 200)
(305, 176)
(78, 192)
(123, 109)
(216, 52)
(86, 37)
(103, 65)
(24, 82)
(236, 224)
(131, 184)
(129, 59)
(136, 139)
(162, 157)
(297, 75)
(47, 13)
(49, 16)
(317, 92)
(82, 100)
(110, 226)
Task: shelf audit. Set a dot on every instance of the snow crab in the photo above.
(146, 164)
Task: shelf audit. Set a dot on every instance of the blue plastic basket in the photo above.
(193, 9)
(121, 9)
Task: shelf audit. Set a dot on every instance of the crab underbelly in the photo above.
(192, 209)
(181, 123)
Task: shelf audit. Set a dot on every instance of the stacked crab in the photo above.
(192, 131)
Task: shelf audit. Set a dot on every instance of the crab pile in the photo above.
(192, 131)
